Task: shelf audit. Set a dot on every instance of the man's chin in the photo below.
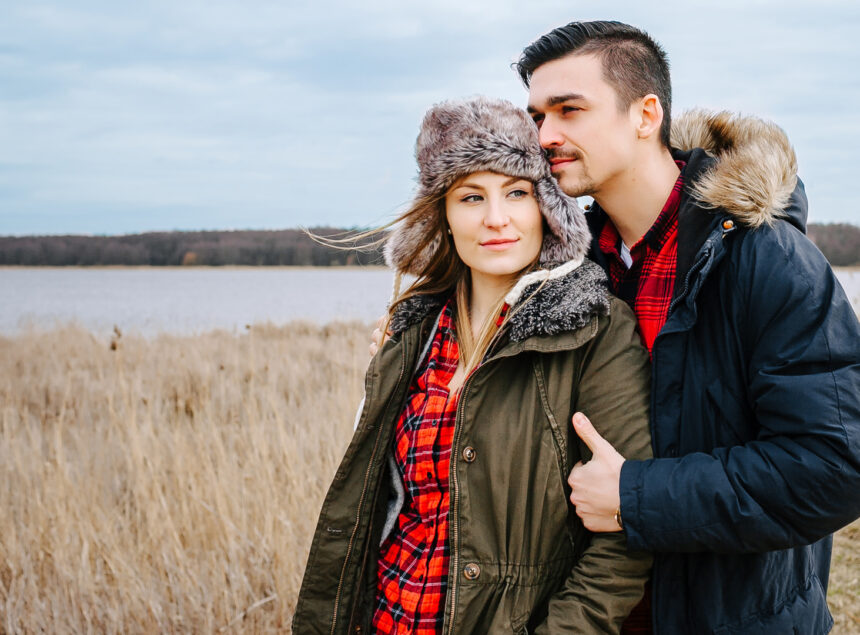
(575, 187)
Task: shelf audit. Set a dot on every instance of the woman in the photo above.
(449, 512)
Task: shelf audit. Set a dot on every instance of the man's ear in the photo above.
(647, 114)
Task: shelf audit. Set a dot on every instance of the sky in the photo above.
(156, 115)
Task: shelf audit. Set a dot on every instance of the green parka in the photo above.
(520, 559)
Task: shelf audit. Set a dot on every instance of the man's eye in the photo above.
(567, 109)
(538, 119)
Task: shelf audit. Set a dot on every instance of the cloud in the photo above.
(159, 115)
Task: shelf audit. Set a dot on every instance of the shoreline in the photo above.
(850, 268)
(196, 267)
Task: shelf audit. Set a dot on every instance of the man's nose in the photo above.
(550, 134)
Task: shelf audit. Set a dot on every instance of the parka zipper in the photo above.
(706, 254)
(363, 494)
(692, 270)
(452, 512)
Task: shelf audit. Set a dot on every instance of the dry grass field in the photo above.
(172, 484)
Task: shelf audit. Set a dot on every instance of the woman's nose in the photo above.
(496, 214)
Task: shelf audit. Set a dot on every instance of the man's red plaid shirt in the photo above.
(413, 564)
(648, 284)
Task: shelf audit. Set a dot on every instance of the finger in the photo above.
(591, 437)
(373, 348)
(572, 472)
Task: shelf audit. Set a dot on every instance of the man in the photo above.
(755, 348)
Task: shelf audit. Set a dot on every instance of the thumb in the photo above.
(589, 435)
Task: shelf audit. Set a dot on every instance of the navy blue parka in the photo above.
(755, 409)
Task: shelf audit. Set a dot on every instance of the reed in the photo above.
(172, 484)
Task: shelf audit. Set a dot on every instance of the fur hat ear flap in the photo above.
(568, 237)
(403, 247)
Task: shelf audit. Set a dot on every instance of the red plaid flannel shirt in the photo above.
(648, 284)
(413, 564)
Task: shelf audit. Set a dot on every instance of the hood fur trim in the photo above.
(548, 302)
(756, 168)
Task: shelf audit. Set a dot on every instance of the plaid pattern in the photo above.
(413, 564)
(647, 287)
(648, 284)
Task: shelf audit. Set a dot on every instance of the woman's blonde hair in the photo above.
(444, 272)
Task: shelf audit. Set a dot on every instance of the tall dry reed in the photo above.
(167, 485)
(172, 485)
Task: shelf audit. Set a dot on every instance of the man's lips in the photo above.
(555, 164)
(499, 244)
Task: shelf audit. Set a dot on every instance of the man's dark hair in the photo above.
(633, 63)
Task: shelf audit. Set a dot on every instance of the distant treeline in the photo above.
(839, 242)
(291, 247)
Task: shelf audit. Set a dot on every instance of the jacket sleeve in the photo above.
(797, 480)
(614, 391)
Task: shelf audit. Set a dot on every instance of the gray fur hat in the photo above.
(462, 137)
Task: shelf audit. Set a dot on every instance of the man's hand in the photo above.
(378, 337)
(595, 484)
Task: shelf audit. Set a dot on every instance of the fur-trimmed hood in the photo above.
(570, 296)
(755, 171)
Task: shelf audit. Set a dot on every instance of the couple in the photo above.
(467, 503)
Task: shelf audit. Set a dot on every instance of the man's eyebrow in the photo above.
(555, 100)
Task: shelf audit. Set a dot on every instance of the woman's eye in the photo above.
(472, 198)
(518, 194)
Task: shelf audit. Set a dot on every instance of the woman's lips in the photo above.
(499, 244)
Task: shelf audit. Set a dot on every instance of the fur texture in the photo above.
(756, 169)
(557, 306)
(462, 137)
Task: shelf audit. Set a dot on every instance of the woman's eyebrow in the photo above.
(474, 186)
(513, 180)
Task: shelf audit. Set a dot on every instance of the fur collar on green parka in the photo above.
(544, 302)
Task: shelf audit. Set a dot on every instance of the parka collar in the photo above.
(547, 302)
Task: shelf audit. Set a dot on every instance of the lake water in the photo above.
(181, 300)
(187, 300)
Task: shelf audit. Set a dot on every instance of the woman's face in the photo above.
(495, 222)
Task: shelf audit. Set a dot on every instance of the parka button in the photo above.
(728, 224)
(471, 571)
(469, 454)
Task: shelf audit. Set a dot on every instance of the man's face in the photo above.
(588, 141)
